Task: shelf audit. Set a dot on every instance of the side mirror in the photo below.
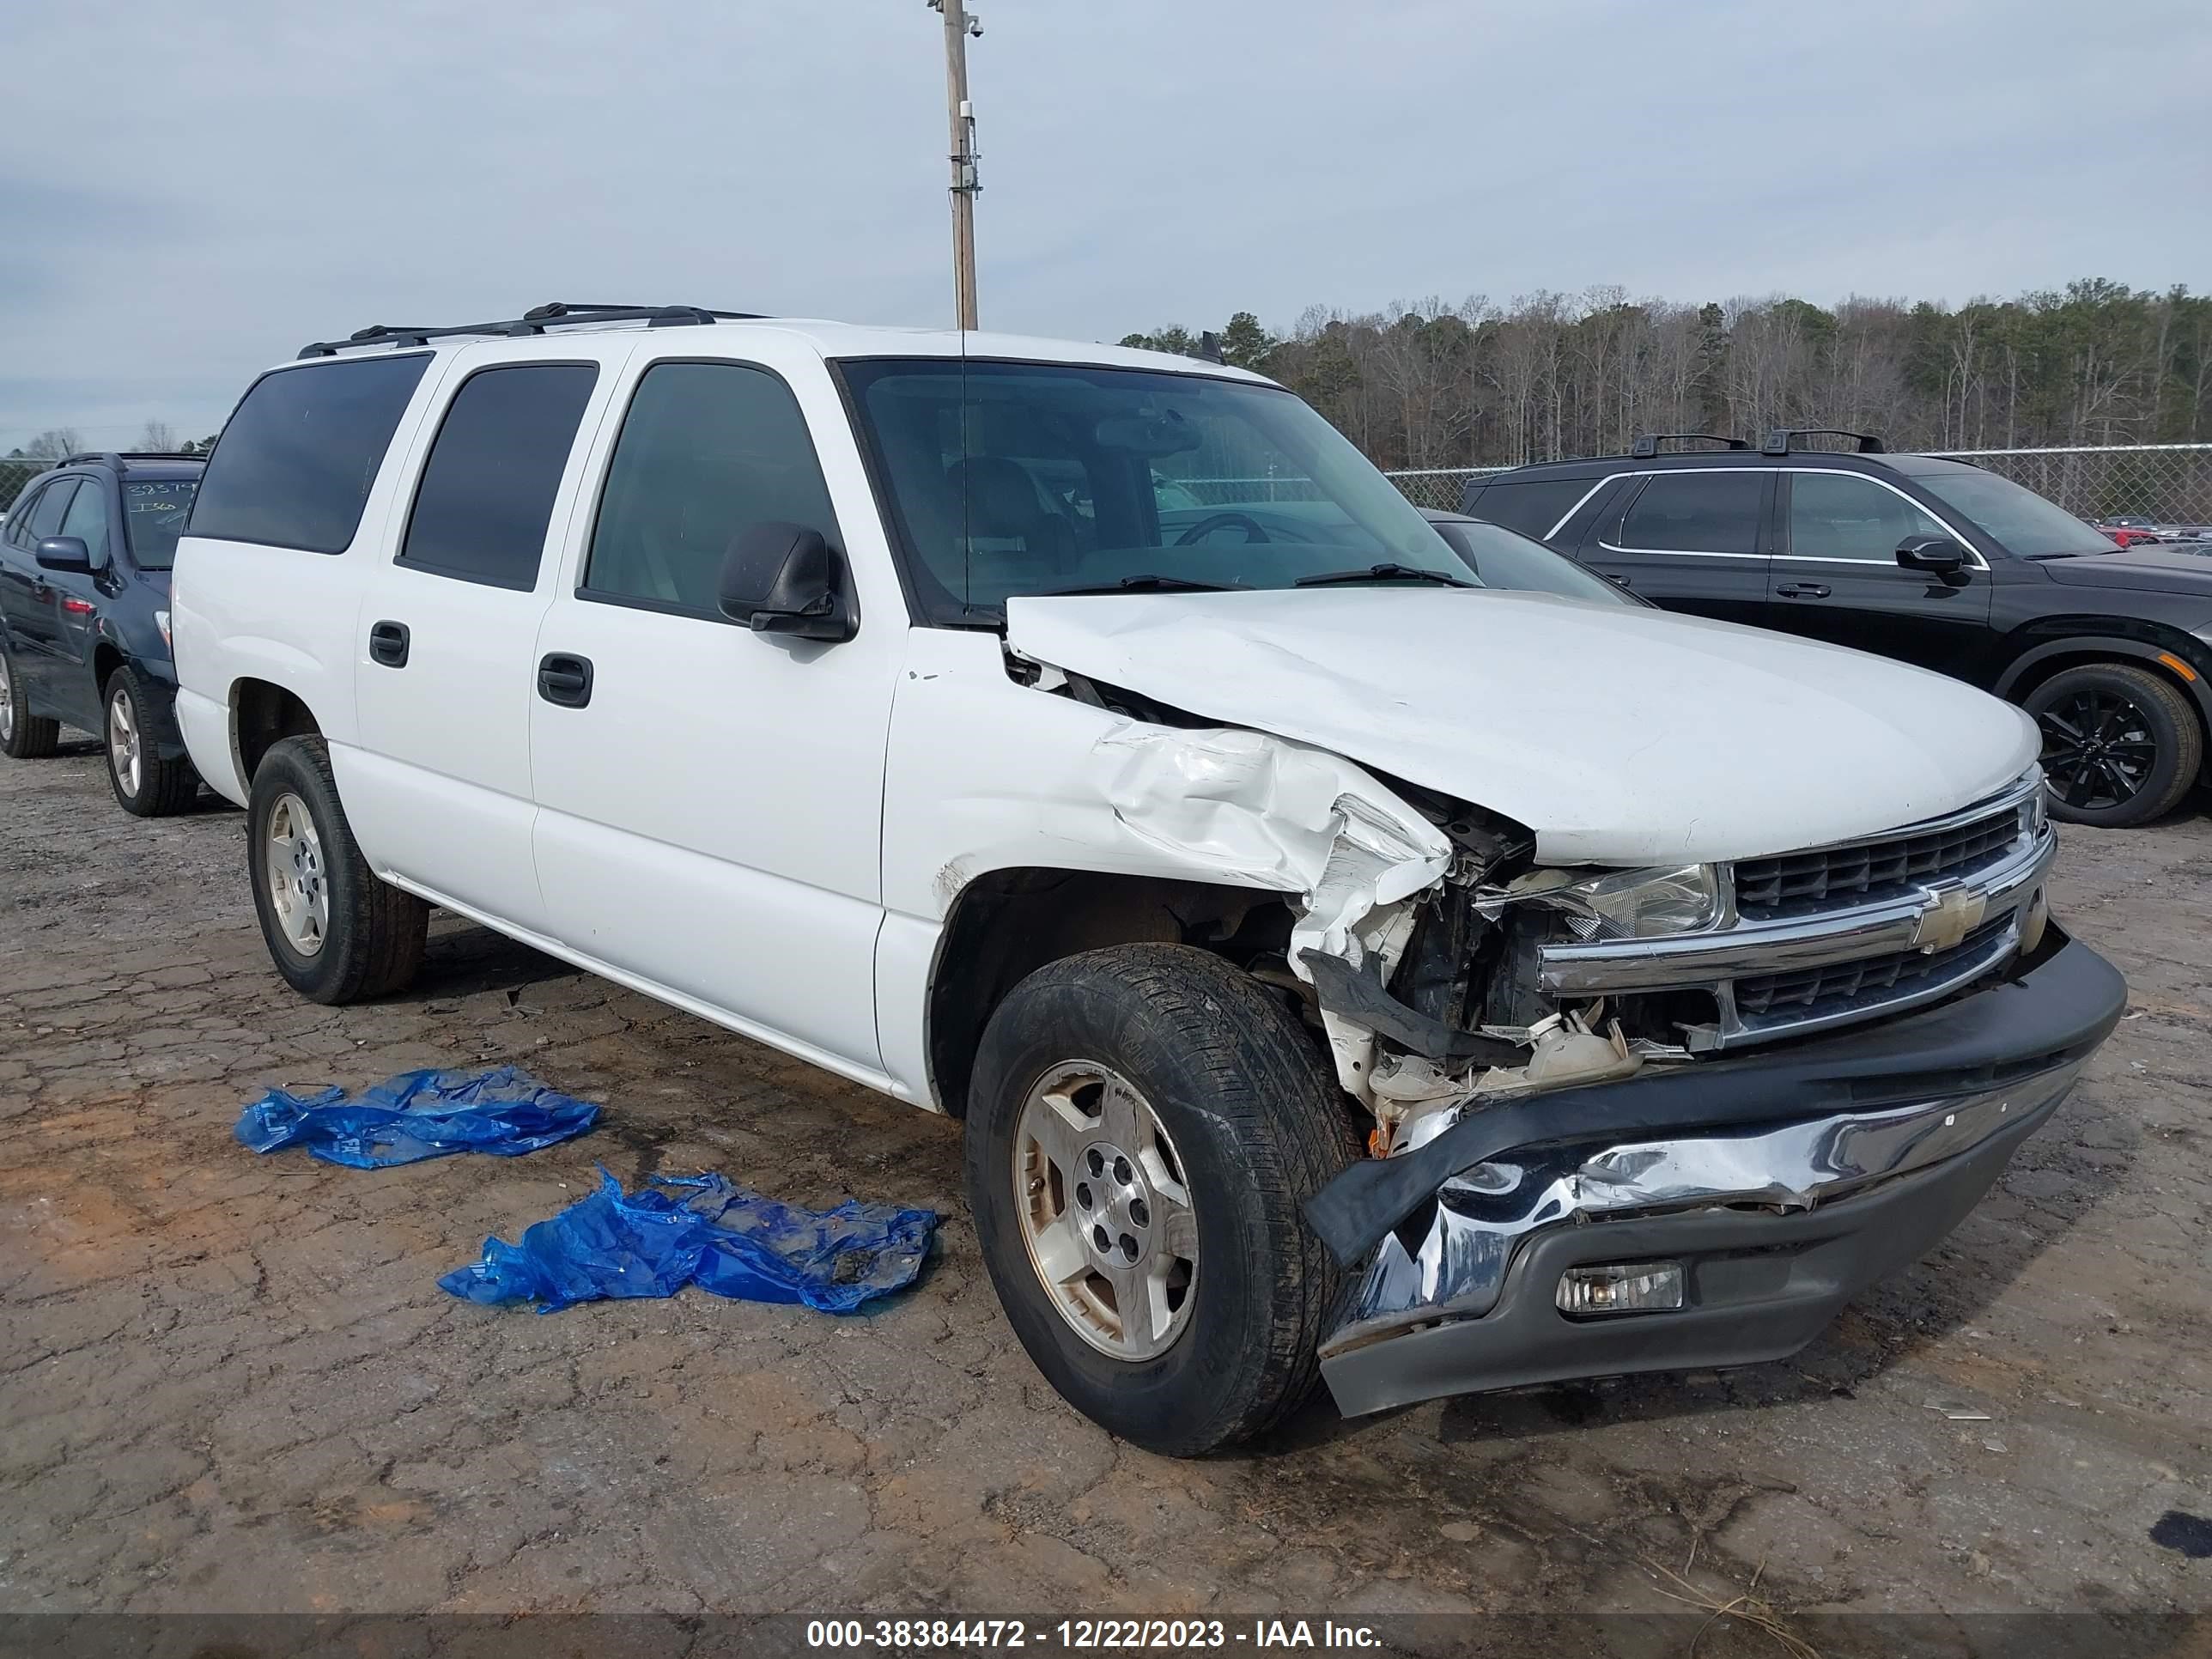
(66, 554)
(1939, 556)
(785, 579)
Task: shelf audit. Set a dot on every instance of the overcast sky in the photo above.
(189, 193)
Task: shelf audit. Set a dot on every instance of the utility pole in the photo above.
(958, 26)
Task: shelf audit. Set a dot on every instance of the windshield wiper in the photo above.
(1384, 573)
(1149, 584)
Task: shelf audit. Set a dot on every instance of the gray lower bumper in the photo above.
(1471, 1307)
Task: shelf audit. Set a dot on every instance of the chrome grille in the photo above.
(1799, 884)
(1843, 988)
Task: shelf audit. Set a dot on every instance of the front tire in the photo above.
(144, 784)
(2120, 745)
(1144, 1124)
(23, 735)
(335, 931)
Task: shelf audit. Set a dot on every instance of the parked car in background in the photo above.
(2130, 535)
(1933, 561)
(1505, 558)
(84, 619)
(1343, 968)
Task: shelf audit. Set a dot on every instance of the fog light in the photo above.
(1621, 1287)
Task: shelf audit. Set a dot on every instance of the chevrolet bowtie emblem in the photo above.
(1950, 916)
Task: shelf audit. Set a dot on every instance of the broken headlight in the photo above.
(1641, 903)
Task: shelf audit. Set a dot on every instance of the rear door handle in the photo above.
(387, 644)
(565, 679)
(1803, 590)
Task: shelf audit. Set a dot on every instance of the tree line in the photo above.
(1477, 383)
(155, 438)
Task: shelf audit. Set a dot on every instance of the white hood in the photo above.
(1620, 735)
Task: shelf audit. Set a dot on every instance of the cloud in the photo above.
(246, 180)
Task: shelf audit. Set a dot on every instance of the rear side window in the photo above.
(1696, 513)
(486, 497)
(1531, 508)
(707, 451)
(294, 466)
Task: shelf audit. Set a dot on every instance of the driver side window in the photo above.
(706, 451)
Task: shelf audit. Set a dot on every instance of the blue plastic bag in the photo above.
(719, 1236)
(418, 1115)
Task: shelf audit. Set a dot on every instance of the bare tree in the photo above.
(157, 437)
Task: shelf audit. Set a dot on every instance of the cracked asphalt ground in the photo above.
(231, 1383)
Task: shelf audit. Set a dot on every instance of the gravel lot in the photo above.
(231, 1383)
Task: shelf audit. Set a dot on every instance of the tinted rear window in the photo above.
(294, 466)
(1531, 508)
(487, 491)
(1697, 512)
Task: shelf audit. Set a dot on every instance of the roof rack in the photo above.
(116, 458)
(1779, 441)
(536, 320)
(1647, 444)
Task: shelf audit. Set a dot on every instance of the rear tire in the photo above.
(2121, 746)
(1248, 1122)
(144, 784)
(23, 735)
(335, 931)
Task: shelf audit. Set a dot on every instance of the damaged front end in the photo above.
(1625, 1118)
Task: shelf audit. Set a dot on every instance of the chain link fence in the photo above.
(13, 475)
(2166, 484)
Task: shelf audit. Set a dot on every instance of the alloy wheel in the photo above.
(124, 751)
(7, 703)
(2098, 749)
(1105, 1209)
(299, 886)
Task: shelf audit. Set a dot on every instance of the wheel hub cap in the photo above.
(2098, 749)
(299, 889)
(122, 750)
(1106, 1210)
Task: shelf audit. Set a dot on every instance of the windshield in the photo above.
(154, 514)
(1020, 478)
(2021, 521)
(1505, 558)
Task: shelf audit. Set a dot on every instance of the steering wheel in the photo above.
(1254, 529)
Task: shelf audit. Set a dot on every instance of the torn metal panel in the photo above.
(1269, 812)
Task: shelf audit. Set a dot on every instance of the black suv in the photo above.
(84, 619)
(1932, 561)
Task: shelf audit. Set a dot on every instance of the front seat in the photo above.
(1003, 506)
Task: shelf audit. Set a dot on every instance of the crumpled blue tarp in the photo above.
(418, 1115)
(719, 1236)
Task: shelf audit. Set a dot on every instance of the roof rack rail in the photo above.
(1647, 443)
(536, 320)
(116, 458)
(1779, 441)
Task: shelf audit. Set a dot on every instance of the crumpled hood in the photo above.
(1621, 736)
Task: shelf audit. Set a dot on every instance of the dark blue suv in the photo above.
(84, 619)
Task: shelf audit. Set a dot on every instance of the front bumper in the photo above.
(1783, 1183)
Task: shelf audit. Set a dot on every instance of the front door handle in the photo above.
(565, 679)
(1803, 590)
(387, 644)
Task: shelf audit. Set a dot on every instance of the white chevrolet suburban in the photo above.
(1342, 967)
